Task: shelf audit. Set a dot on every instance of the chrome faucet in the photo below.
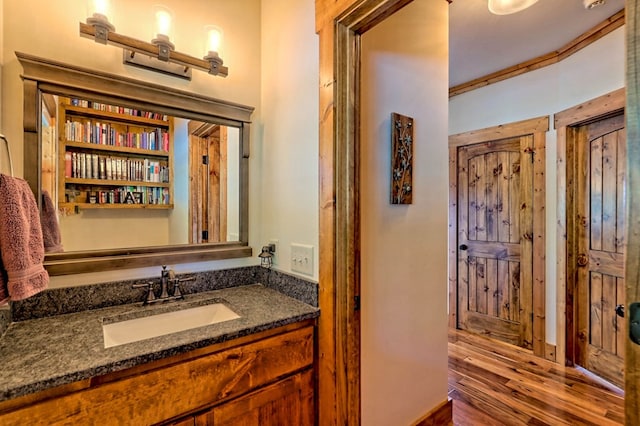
(167, 277)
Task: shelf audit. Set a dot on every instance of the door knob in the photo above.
(583, 259)
(620, 311)
(463, 246)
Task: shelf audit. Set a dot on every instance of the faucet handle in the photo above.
(150, 297)
(176, 289)
(176, 284)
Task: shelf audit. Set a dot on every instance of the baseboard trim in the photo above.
(550, 352)
(442, 415)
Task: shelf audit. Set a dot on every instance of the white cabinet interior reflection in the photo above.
(138, 174)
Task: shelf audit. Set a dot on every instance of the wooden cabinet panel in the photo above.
(166, 393)
(289, 401)
(189, 421)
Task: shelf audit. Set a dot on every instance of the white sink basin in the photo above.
(133, 330)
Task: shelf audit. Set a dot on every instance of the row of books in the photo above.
(106, 134)
(93, 166)
(121, 195)
(118, 109)
(131, 195)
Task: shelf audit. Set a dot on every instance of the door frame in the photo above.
(340, 25)
(632, 265)
(537, 127)
(566, 123)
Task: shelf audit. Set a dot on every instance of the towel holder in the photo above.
(6, 144)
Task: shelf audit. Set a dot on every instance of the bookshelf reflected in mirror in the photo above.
(128, 177)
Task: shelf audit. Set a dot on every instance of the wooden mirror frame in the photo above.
(48, 76)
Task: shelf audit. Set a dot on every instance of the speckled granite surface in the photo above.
(76, 299)
(5, 318)
(42, 353)
(292, 286)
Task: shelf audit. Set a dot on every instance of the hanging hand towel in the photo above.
(22, 273)
(50, 228)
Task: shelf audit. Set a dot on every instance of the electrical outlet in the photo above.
(302, 259)
(274, 259)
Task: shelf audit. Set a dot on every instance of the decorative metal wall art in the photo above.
(401, 159)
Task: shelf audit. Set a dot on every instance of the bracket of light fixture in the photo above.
(159, 55)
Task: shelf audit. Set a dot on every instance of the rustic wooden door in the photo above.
(600, 161)
(495, 197)
(207, 182)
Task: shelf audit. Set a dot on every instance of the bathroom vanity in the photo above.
(255, 369)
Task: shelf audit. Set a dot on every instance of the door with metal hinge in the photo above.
(495, 239)
(600, 156)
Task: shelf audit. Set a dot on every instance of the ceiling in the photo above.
(481, 43)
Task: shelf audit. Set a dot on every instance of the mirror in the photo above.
(120, 178)
(137, 174)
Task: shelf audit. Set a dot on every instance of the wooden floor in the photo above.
(492, 383)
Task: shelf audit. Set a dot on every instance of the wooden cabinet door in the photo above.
(601, 158)
(287, 402)
(495, 239)
(187, 421)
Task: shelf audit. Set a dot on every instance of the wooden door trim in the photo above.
(565, 123)
(340, 23)
(502, 131)
(537, 127)
(632, 266)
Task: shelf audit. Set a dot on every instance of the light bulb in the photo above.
(162, 22)
(213, 39)
(99, 10)
(101, 7)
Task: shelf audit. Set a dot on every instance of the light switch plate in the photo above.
(302, 259)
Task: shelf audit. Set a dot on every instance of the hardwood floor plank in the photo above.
(465, 414)
(551, 388)
(502, 413)
(493, 383)
(557, 408)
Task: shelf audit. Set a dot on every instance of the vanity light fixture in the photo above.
(159, 54)
(266, 256)
(506, 7)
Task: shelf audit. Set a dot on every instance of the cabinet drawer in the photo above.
(168, 392)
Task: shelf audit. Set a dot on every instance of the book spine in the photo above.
(74, 164)
(95, 172)
(67, 164)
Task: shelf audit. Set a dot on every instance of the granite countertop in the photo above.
(43, 353)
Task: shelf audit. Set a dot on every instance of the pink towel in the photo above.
(21, 248)
(50, 228)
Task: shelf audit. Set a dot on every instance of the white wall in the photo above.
(233, 185)
(179, 216)
(591, 72)
(52, 32)
(404, 247)
(289, 152)
(1, 57)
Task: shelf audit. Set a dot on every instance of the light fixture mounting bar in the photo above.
(132, 58)
(150, 49)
